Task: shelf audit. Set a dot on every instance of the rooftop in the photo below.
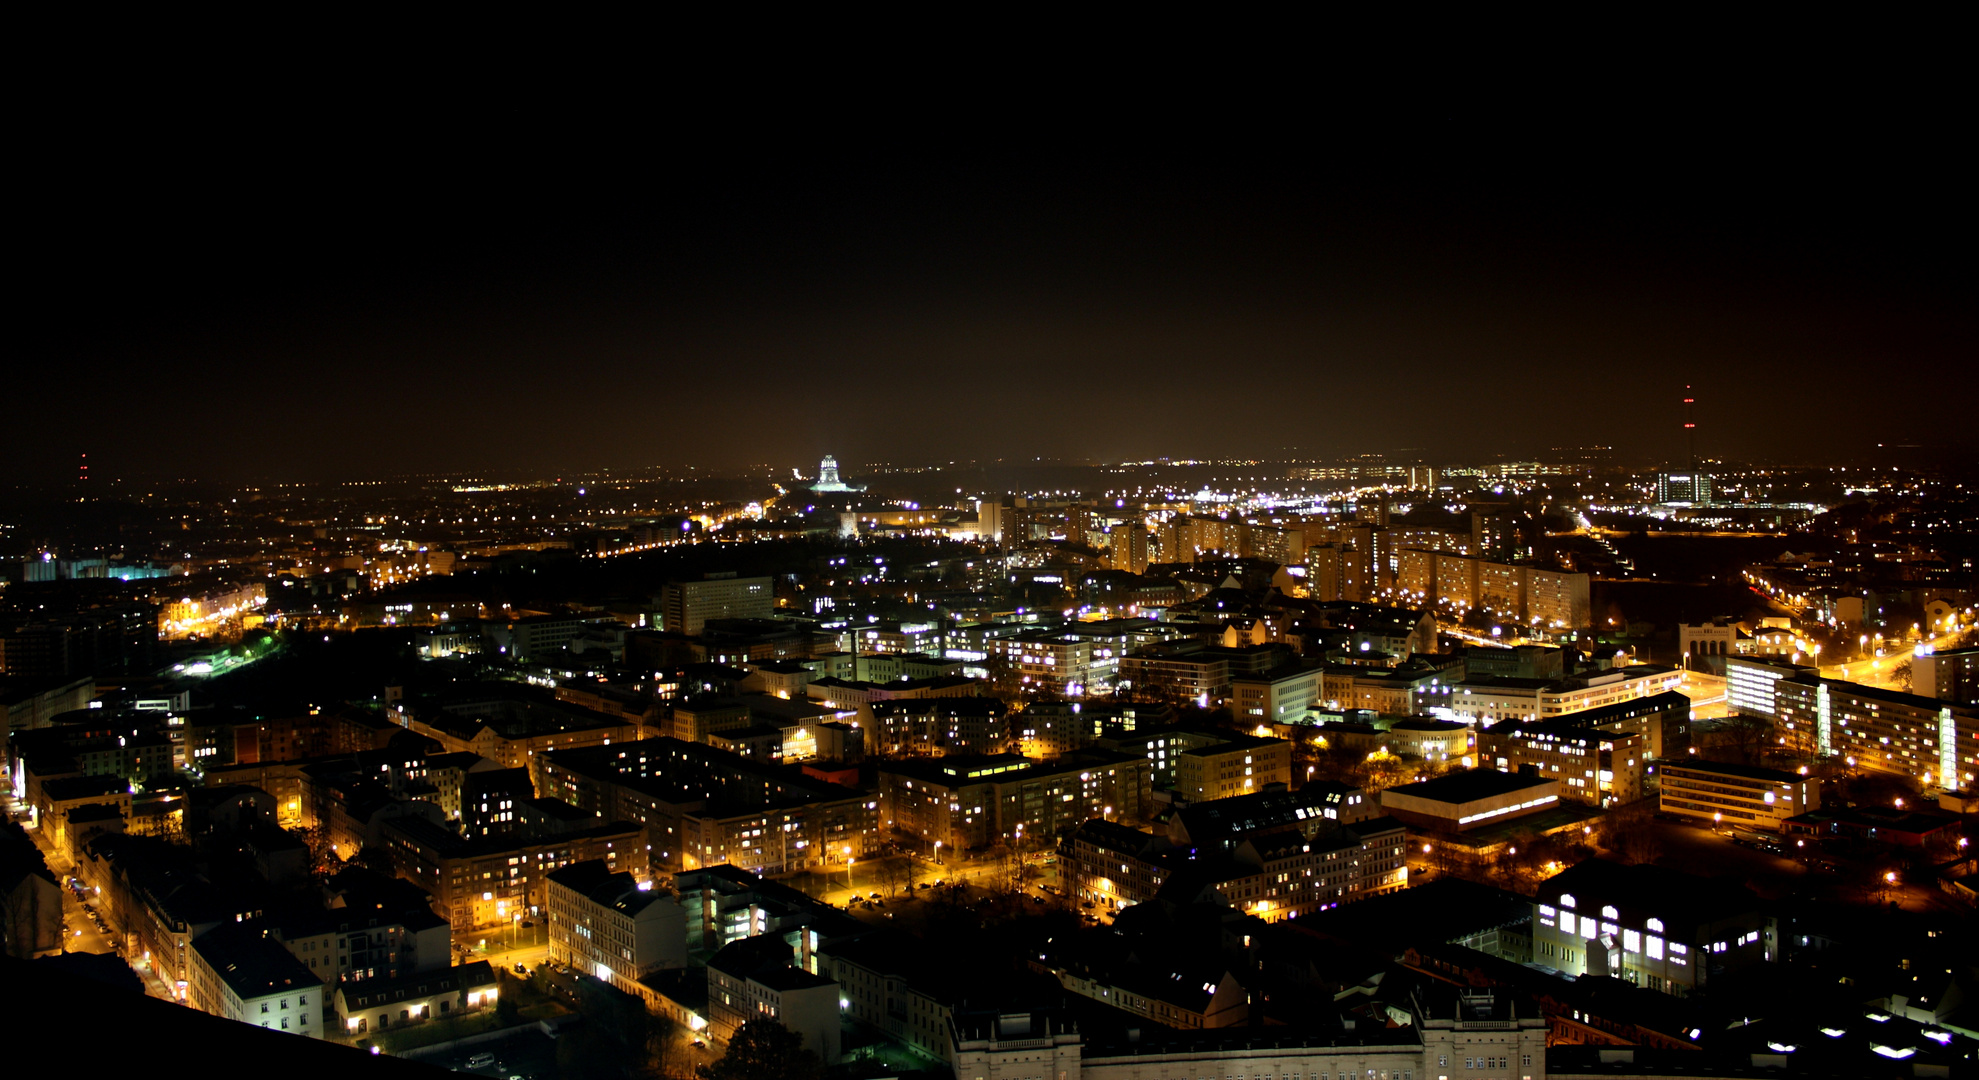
(252, 964)
(1470, 786)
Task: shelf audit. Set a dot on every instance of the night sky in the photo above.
(247, 289)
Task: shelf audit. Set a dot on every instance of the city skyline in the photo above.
(707, 580)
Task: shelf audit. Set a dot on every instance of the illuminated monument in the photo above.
(828, 480)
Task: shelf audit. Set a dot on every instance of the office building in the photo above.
(1741, 795)
(686, 606)
(1658, 928)
(1592, 766)
(1280, 696)
(1690, 488)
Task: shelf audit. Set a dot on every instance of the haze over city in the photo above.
(546, 590)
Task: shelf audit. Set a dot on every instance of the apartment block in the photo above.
(967, 803)
(238, 973)
(1243, 765)
(704, 806)
(501, 880)
(607, 924)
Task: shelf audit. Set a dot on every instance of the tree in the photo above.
(1630, 834)
(892, 874)
(1744, 737)
(763, 1049)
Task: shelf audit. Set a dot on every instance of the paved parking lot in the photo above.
(1697, 849)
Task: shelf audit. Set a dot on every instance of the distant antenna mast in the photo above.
(1690, 428)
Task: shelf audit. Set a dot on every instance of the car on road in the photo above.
(480, 1061)
(521, 968)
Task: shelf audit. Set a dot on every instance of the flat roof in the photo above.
(1470, 786)
(1750, 772)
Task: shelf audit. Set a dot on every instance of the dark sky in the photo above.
(225, 286)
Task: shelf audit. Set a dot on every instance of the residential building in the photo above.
(1113, 864)
(1243, 765)
(510, 724)
(239, 973)
(501, 880)
(1190, 671)
(1952, 675)
(1926, 739)
(703, 806)
(1129, 547)
(1289, 873)
(966, 803)
(490, 801)
(890, 983)
(1275, 870)
(936, 726)
(605, 924)
(726, 904)
(1521, 594)
(357, 944)
(755, 979)
(384, 1004)
(30, 899)
(154, 891)
(1221, 824)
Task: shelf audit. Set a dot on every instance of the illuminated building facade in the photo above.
(1743, 795)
